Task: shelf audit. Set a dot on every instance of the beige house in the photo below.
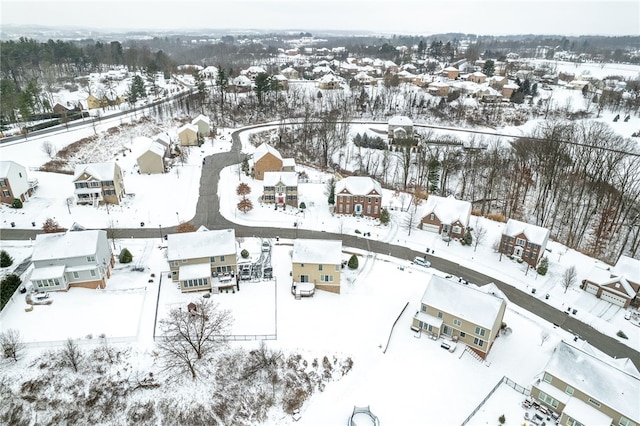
(98, 183)
(280, 188)
(188, 135)
(461, 313)
(477, 77)
(438, 89)
(14, 183)
(587, 387)
(329, 82)
(524, 241)
(451, 73)
(94, 102)
(290, 73)
(203, 260)
(446, 216)
(316, 263)
(400, 127)
(203, 124)
(619, 286)
(152, 160)
(268, 159)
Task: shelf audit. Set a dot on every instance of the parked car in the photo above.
(627, 315)
(421, 261)
(245, 271)
(267, 273)
(266, 245)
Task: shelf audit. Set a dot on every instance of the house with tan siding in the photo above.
(71, 259)
(203, 260)
(280, 188)
(14, 183)
(329, 82)
(153, 159)
(524, 241)
(445, 215)
(317, 263)
(188, 135)
(203, 124)
(358, 195)
(438, 88)
(587, 387)
(98, 183)
(451, 73)
(460, 313)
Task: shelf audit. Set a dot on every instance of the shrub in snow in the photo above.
(467, 239)
(5, 259)
(384, 216)
(502, 419)
(303, 206)
(125, 256)
(353, 262)
(244, 253)
(621, 334)
(17, 203)
(8, 286)
(543, 267)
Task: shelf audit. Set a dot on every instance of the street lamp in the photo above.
(178, 217)
(160, 226)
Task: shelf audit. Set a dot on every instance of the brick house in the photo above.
(14, 183)
(524, 241)
(358, 195)
(445, 215)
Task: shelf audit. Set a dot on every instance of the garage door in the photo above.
(430, 228)
(591, 288)
(616, 300)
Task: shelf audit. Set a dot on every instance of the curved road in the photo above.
(208, 214)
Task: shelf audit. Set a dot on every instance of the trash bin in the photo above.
(533, 291)
(575, 311)
(546, 296)
(13, 224)
(141, 223)
(33, 224)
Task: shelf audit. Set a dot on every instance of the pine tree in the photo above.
(17, 203)
(384, 216)
(353, 262)
(331, 187)
(543, 267)
(125, 256)
(467, 238)
(5, 259)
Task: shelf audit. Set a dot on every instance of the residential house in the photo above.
(579, 85)
(240, 84)
(204, 260)
(281, 82)
(14, 183)
(290, 73)
(524, 241)
(317, 263)
(268, 159)
(587, 387)
(203, 124)
(445, 215)
(619, 285)
(508, 89)
(280, 188)
(106, 100)
(497, 82)
(358, 195)
(477, 77)
(438, 89)
(152, 160)
(71, 259)
(329, 82)
(253, 71)
(461, 313)
(98, 183)
(364, 79)
(400, 127)
(451, 73)
(188, 135)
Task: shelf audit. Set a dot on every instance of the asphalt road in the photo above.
(208, 214)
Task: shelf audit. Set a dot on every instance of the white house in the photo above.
(71, 259)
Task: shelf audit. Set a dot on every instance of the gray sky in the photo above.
(492, 17)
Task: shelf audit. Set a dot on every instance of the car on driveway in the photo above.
(421, 261)
(266, 246)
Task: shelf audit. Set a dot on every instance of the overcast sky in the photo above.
(565, 17)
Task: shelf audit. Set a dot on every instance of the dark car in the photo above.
(267, 273)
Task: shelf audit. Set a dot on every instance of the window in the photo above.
(174, 263)
(76, 275)
(375, 210)
(594, 402)
(368, 199)
(184, 260)
(6, 193)
(95, 184)
(302, 265)
(432, 216)
(337, 267)
(456, 229)
(319, 267)
(480, 331)
(368, 209)
(93, 272)
(569, 390)
(423, 308)
(3, 182)
(457, 322)
(339, 208)
(326, 278)
(91, 258)
(221, 258)
(439, 314)
(109, 192)
(547, 377)
(520, 242)
(212, 259)
(478, 342)
(548, 400)
(348, 208)
(573, 422)
(463, 334)
(626, 422)
(377, 199)
(107, 183)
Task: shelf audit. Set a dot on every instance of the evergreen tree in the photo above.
(17, 203)
(489, 68)
(467, 238)
(8, 286)
(262, 86)
(543, 267)
(353, 262)
(384, 216)
(125, 256)
(5, 259)
(331, 188)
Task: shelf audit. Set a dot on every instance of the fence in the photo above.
(393, 326)
(509, 383)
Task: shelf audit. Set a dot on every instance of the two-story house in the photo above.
(280, 188)
(358, 195)
(618, 285)
(400, 127)
(203, 124)
(445, 215)
(268, 159)
(188, 135)
(71, 259)
(317, 263)
(461, 313)
(153, 159)
(524, 241)
(14, 183)
(587, 387)
(203, 260)
(98, 183)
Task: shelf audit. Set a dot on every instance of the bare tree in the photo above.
(544, 336)
(11, 344)
(190, 336)
(480, 234)
(72, 355)
(49, 149)
(569, 278)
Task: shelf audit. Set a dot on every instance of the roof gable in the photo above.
(447, 209)
(99, 171)
(265, 149)
(286, 178)
(358, 185)
(533, 233)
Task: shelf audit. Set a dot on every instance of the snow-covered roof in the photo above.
(327, 252)
(287, 178)
(450, 69)
(255, 69)
(596, 376)
(63, 245)
(241, 80)
(157, 148)
(190, 272)
(585, 413)
(462, 301)
(628, 268)
(200, 118)
(47, 272)
(329, 78)
(6, 166)
(288, 162)
(400, 120)
(263, 150)
(534, 234)
(192, 245)
(100, 171)
(358, 185)
(163, 138)
(447, 209)
(188, 126)
(478, 74)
